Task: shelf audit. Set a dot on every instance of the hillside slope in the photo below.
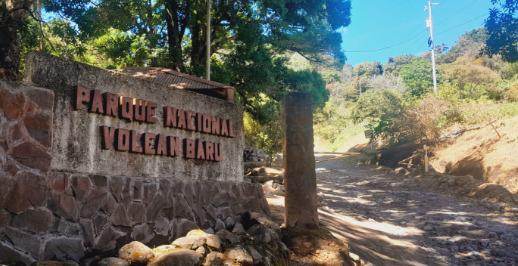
(488, 153)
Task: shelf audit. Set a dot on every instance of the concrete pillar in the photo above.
(299, 163)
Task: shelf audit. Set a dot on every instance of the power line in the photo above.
(461, 24)
(387, 47)
(415, 37)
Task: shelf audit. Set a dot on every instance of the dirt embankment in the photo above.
(488, 153)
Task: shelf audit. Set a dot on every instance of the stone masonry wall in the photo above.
(69, 215)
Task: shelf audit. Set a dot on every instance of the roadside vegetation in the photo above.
(394, 101)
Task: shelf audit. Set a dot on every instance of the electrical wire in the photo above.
(415, 37)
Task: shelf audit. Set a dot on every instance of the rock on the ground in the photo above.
(225, 235)
(214, 259)
(136, 252)
(183, 257)
(56, 263)
(163, 249)
(213, 242)
(239, 256)
(189, 242)
(111, 261)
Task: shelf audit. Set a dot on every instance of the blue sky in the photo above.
(381, 29)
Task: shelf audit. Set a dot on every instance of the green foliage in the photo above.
(251, 42)
(470, 44)
(417, 77)
(122, 49)
(266, 136)
(394, 64)
(502, 29)
(378, 110)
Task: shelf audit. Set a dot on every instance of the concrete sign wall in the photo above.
(80, 175)
(115, 124)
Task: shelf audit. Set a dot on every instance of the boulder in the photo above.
(136, 252)
(214, 259)
(56, 263)
(190, 242)
(184, 257)
(213, 242)
(201, 250)
(163, 249)
(239, 256)
(111, 261)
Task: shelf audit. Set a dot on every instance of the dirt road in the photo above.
(390, 221)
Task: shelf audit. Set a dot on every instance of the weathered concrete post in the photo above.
(299, 163)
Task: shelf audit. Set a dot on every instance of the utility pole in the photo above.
(431, 43)
(207, 62)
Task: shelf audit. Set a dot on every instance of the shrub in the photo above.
(423, 121)
(379, 110)
(417, 77)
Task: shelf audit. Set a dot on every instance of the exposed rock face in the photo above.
(47, 214)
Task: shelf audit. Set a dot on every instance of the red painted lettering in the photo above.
(189, 148)
(112, 104)
(123, 139)
(82, 97)
(136, 142)
(200, 150)
(108, 136)
(174, 146)
(161, 148)
(127, 108)
(149, 144)
(181, 120)
(151, 112)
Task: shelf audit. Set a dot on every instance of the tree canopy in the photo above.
(502, 28)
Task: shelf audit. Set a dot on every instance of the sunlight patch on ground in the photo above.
(374, 225)
(358, 200)
(321, 170)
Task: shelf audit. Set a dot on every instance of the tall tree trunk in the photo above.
(13, 15)
(173, 35)
(198, 44)
(177, 14)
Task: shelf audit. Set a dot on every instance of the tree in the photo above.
(379, 110)
(417, 77)
(502, 29)
(394, 64)
(13, 15)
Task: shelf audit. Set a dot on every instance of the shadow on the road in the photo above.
(388, 222)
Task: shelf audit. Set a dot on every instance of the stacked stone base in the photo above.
(49, 215)
(81, 216)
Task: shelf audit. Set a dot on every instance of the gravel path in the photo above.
(389, 220)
